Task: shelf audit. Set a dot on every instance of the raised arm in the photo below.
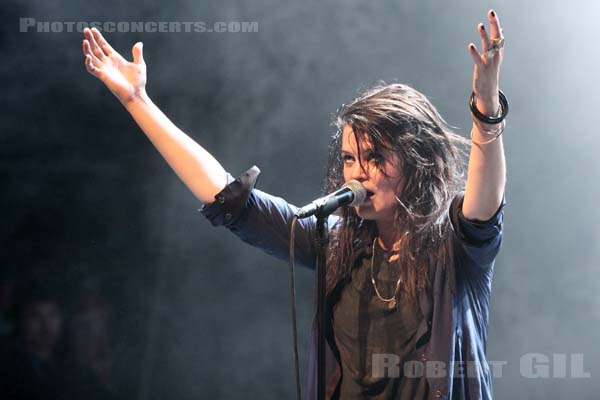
(487, 167)
(196, 167)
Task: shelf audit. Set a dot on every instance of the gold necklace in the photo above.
(391, 302)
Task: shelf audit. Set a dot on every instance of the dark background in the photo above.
(195, 312)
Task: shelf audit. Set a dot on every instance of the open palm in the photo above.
(125, 79)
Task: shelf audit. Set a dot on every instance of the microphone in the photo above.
(352, 193)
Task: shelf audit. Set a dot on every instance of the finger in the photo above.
(138, 53)
(106, 48)
(91, 67)
(475, 55)
(87, 51)
(87, 33)
(94, 46)
(495, 29)
(485, 40)
(85, 47)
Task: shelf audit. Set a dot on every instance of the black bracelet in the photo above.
(485, 118)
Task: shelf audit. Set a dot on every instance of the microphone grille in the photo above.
(359, 191)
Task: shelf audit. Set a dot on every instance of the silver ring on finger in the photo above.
(496, 45)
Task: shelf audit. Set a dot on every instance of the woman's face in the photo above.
(382, 204)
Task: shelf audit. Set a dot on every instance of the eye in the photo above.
(347, 159)
(375, 158)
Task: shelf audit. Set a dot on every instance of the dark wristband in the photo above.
(484, 118)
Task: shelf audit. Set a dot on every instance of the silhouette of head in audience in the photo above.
(39, 322)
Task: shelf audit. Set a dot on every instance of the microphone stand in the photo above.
(322, 241)
(353, 192)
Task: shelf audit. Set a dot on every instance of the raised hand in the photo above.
(126, 80)
(486, 74)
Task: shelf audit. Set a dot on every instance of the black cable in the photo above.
(293, 300)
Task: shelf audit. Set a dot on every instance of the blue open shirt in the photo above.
(454, 328)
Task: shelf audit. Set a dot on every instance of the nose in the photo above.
(357, 172)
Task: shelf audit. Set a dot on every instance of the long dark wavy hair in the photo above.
(398, 118)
